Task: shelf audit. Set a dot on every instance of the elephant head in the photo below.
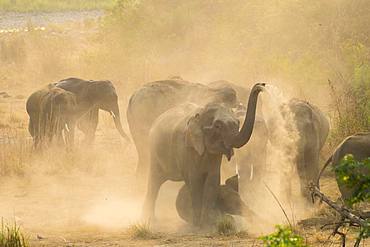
(215, 128)
(104, 96)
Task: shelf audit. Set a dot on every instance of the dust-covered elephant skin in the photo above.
(242, 93)
(154, 98)
(313, 128)
(92, 96)
(50, 112)
(228, 201)
(359, 146)
(187, 143)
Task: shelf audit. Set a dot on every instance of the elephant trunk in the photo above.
(246, 131)
(117, 121)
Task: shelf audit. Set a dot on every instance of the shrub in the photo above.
(141, 231)
(283, 237)
(226, 226)
(350, 173)
(11, 236)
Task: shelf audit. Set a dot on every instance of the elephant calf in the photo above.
(49, 110)
(359, 146)
(228, 201)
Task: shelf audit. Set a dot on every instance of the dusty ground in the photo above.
(89, 197)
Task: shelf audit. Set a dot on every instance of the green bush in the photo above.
(354, 174)
(283, 237)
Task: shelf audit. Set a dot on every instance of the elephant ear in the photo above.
(194, 134)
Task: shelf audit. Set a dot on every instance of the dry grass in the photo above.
(11, 236)
(141, 231)
(226, 226)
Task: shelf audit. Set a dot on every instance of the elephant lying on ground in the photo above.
(154, 98)
(92, 96)
(228, 201)
(50, 112)
(359, 146)
(187, 143)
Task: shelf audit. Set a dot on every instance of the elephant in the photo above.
(155, 98)
(242, 93)
(228, 201)
(50, 113)
(313, 128)
(359, 146)
(187, 143)
(92, 96)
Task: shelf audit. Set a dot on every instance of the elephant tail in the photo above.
(322, 170)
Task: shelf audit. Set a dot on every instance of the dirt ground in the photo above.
(89, 197)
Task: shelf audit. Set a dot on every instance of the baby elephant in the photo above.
(50, 112)
(359, 146)
(228, 201)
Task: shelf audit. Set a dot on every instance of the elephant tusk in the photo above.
(67, 128)
(251, 175)
(237, 169)
(113, 115)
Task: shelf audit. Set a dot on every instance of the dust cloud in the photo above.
(278, 188)
(202, 41)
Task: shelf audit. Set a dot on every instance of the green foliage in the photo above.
(355, 175)
(283, 237)
(11, 236)
(53, 5)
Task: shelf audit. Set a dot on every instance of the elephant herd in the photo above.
(182, 130)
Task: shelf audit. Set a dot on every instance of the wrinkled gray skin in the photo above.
(187, 143)
(228, 201)
(50, 113)
(313, 128)
(92, 96)
(154, 98)
(359, 146)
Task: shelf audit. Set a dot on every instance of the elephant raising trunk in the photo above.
(246, 131)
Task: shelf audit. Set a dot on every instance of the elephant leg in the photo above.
(209, 211)
(196, 186)
(155, 181)
(142, 168)
(88, 125)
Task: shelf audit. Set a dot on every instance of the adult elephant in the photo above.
(187, 143)
(154, 98)
(313, 128)
(92, 96)
(359, 146)
(242, 93)
(50, 113)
